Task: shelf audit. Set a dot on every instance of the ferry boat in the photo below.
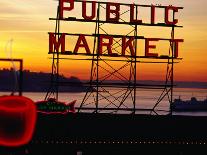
(189, 105)
(52, 106)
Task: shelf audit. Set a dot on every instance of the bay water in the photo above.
(145, 99)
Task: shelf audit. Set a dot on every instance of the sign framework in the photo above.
(105, 51)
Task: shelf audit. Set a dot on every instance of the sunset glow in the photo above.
(27, 23)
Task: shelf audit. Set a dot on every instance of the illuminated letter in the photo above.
(93, 14)
(126, 44)
(114, 12)
(132, 20)
(54, 45)
(167, 9)
(84, 44)
(108, 45)
(62, 7)
(152, 14)
(176, 41)
(17, 120)
(148, 46)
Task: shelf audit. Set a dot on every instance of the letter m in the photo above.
(55, 42)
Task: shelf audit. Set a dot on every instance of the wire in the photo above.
(9, 56)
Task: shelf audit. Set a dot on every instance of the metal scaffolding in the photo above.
(104, 94)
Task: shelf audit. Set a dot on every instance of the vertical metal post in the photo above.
(20, 77)
(97, 58)
(172, 69)
(135, 63)
(57, 63)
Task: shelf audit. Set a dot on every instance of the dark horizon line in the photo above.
(152, 80)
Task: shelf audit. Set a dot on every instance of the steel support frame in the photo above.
(115, 101)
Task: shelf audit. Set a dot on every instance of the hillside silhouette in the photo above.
(41, 82)
(37, 82)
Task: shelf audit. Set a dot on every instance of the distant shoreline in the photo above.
(41, 82)
(7, 91)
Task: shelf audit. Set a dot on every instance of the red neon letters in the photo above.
(175, 44)
(132, 14)
(93, 14)
(148, 46)
(110, 11)
(63, 8)
(129, 44)
(17, 120)
(105, 45)
(108, 44)
(152, 14)
(113, 11)
(167, 10)
(84, 44)
(56, 42)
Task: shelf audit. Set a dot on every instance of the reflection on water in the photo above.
(144, 99)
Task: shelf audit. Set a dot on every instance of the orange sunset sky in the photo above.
(27, 23)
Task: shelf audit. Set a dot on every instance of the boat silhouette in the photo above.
(189, 105)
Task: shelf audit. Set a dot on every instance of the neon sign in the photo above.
(114, 9)
(58, 43)
(52, 106)
(17, 120)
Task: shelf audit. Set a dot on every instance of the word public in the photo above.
(113, 11)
